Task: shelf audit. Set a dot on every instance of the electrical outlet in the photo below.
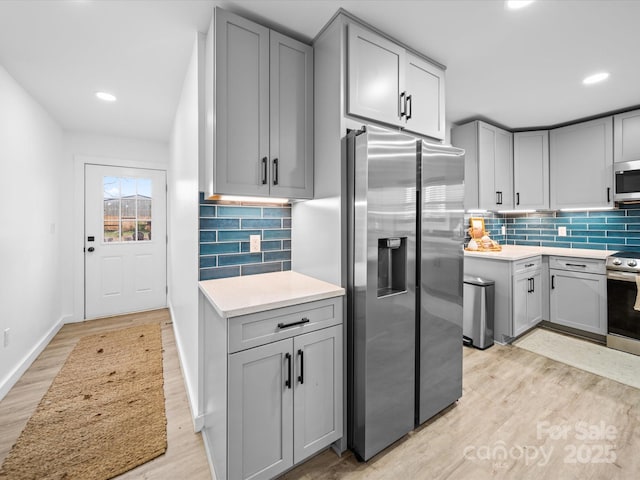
(5, 341)
(504, 230)
(562, 231)
(254, 243)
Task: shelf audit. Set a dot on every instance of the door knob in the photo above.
(90, 249)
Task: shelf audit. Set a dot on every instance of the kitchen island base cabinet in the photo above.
(270, 405)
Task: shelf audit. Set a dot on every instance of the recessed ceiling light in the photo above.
(517, 4)
(107, 97)
(596, 78)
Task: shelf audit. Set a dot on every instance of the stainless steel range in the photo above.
(623, 301)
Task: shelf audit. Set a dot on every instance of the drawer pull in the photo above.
(575, 265)
(294, 324)
(529, 265)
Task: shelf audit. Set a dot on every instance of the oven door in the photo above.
(622, 292)
(627, 181)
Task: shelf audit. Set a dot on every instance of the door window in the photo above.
(127, 209)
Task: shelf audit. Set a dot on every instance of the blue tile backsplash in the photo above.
(224, 239)
(599, 230)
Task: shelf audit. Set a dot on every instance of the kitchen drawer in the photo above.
(260, 328)
(527, 265)
(576, 264)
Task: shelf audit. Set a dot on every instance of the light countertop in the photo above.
(236, 296)
(518, 252)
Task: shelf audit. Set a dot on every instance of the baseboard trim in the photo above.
(196, 417)
(26, 362)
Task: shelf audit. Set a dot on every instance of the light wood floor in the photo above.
(514, 402)
(185, 457)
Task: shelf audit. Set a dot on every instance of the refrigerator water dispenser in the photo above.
(392, 266)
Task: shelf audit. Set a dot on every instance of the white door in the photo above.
(125, 240)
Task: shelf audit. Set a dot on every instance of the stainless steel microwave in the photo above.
(626, 181)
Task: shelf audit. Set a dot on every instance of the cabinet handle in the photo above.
(409, 107)
(498, 198)
(275, 171)
(518, 198)
(575, 265)
(553, 282)
(264, 170)
(402, 106)
(288, 382)
(608, 194)
(301, 376)
(299, 322)
(527, 265)
(533, 285)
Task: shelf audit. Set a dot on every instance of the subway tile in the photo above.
(201, 197)
(623, 234)
(260, 223)
(571, 214)
(286, 244)
(633, 212)
(239, 212)
(277, 234)
(218, 248)
(286, 266)
(208, 236)
(607, 213)
(219, 223)
(599, 240)
(546, 238)
(277, 256)
(527, 220)
(630, 220)
(607, 226)
(557, 244)
(633, 241)
(578, 239)
(207, 211)
(213, 273)
(276, 212)
(261, 268)
(264, 246)
(286, 223)
(529, 243)
(236, 235)
(555, 221)
(586, 220)
(592, 246)
(621, 246)
(209, 261)
(239, 259)
(591, 233)
(516, 237)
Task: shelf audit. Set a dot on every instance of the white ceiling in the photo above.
(518, 69)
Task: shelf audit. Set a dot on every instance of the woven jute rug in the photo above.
(103, 414)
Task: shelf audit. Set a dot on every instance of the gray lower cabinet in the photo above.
(273, 387)
(259, 91)
(519, 293)
(578, 297)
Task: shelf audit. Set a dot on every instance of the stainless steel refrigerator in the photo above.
(404, 343)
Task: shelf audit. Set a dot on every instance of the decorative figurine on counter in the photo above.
(480, 240)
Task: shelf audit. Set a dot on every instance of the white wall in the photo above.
(80, 147)
(30, 233)
(187, 147)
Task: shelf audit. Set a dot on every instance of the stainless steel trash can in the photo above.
(478, 311)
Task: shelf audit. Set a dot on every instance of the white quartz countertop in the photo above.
(236, 296)
(518, 252)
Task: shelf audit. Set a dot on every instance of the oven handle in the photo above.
(624, 276)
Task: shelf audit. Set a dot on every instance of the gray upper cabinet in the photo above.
(262, 132)
(581, 165)
(531, 170)
(626, 141)
(376, 75)
(488, 165)
(388, 84)
(425, 84)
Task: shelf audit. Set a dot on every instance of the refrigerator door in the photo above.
(382, 260)
(439, 367)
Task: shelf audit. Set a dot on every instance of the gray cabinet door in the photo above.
(579, 300)
(495, 159)
(317, 416)
(531, 170)
(520, 293)
(376, 76)
(260, 420)
(425, 110)
(626, 130)
(241, 105)
(291, 138)
(581, 159)
(503, 172)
